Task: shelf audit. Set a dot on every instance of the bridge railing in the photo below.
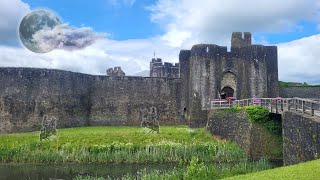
(275, 105)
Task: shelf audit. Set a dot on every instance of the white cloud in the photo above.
(65, 37)
(132, 55)
(11, 12)
(299, 60)
(214, 20)
(186, 22)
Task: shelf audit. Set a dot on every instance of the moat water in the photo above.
(70, 171)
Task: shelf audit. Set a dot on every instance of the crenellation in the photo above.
(247, 38)
(208, 50)
(239, 40)
(116, 71)
(163, 69)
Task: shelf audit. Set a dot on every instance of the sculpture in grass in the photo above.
(49, 127)
(150, 120)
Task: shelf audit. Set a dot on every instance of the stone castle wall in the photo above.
(249, 70)
(76, 99)
(301, 138)
(255, 139)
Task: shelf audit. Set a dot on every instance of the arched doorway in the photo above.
(228, 85)
(227, 92)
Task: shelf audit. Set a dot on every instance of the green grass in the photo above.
(118, 145)
(309, 170)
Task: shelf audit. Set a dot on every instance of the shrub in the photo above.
(258, 114)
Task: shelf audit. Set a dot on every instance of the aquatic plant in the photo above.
(118, 145)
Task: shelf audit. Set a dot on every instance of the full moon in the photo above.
(38, 23)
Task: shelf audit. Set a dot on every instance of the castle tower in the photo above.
(160, 69)
(156, 67)
(238, 41)
(247, 71)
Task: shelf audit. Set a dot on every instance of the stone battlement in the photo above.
(163, 69)
(239, 40)
(116, 71)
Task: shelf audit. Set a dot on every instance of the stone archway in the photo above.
(229, 84)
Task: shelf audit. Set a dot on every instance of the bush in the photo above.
(234, 109)
(258, 114)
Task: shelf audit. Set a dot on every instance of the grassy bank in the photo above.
(309, 170)
(118, 145)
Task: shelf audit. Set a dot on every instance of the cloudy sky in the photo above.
(134, 29)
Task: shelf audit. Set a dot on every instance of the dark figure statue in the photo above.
(49, 127)
(153, 127)
(149, 120)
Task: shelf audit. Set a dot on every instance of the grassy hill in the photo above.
(295, 84)
(309, 170)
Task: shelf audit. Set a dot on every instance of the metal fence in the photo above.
(275, 105)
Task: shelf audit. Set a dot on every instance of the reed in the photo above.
(118, 145)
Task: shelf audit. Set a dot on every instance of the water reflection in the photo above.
(69, 171)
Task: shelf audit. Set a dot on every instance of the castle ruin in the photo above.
(247, 71)
(116, 71)
(179, 92)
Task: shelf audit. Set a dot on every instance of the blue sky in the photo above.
(137, 28)
(308, 28)
(122, 20)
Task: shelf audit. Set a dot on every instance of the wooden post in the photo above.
(312, 109)
(295, 104)
(288, 104)
(276, 107)
(303, 108)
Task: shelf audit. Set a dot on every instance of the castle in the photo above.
(179, 92)
(247, 71)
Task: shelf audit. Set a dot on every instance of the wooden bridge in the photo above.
(275, 105)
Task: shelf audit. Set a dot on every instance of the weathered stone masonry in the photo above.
(255, 139)
(76, 99)
(160, 69)
(301, 138)
(246, 71)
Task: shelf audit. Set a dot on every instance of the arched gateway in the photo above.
(228, 85)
